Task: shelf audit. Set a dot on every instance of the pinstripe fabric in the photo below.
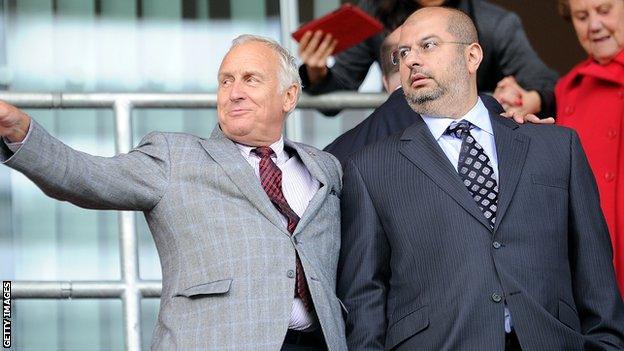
(420, 269)
(226, 256)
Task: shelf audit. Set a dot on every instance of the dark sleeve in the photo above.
(363, 269)
(517, 58)
(599, 304)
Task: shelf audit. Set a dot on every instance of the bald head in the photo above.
(439, 57)
(458, 24)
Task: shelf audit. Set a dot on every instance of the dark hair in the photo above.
(385, 62)
(392, 13)
(564, 9)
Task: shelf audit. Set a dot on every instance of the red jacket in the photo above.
(590, 99)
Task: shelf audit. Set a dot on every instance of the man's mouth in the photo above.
(238, 111)
(418, 79)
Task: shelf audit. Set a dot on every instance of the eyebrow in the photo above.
(429, 37)
(244, 73)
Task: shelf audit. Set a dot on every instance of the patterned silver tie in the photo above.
(476, 171)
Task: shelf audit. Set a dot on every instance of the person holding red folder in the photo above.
(507, 53)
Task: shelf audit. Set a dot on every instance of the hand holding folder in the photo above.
(348, 25)
(331, 34)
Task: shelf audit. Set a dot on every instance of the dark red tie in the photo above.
(271, 180)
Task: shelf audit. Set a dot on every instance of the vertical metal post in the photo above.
(289, 21)
(128, 245)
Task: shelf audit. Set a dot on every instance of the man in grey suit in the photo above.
(246, 223)
(468, 231)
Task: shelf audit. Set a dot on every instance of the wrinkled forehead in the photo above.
(418, 28)
(250, 56)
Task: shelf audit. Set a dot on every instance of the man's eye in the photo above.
(429, 45)
(404, 52)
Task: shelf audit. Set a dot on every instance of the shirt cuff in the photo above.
(16, 146)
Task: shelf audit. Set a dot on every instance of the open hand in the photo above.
(314, 50)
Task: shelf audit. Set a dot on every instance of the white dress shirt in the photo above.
(298, 187)
(483, 134)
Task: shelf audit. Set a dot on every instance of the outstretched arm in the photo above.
(132, 181)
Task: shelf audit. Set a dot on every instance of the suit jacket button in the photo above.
(290, 273)
(497, 298)
(496, 245)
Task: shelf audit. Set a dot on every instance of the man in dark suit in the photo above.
(468, 231)
(392, 116)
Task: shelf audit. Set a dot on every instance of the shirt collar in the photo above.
(478, 115)
(278, 148)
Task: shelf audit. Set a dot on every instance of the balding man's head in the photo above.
(438, 58)
(458, 24)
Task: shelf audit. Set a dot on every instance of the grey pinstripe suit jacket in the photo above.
(226, 256)
(420, 269)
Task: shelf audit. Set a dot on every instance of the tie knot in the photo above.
(263, 151)
(457, 129)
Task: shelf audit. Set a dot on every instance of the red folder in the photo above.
(349, 24)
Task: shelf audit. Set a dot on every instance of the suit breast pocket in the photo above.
(218, 287)
(549, 181)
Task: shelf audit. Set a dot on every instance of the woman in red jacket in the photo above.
(590, 99)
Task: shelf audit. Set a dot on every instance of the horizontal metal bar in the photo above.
(79, 289)
(332, 101)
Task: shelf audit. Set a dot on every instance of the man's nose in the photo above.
(412, 59)
(237, 91)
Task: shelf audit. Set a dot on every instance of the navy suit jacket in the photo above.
(393, 116)
(421, 269)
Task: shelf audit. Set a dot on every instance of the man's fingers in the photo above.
(310, 55)
(536, 120)
(320, 55)
(305, 40)
(329, 50)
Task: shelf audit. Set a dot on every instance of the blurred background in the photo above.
(140, 46)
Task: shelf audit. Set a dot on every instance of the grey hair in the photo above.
(288, 73)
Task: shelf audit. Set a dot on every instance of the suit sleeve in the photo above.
(132, 181)
(363, 269)
(600, 307)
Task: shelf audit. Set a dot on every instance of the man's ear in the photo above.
(474, 56)
(290, 98)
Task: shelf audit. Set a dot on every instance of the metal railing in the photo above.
(131, 288)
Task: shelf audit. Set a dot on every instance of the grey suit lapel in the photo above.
(312, 164)
(419, 147)
(228, 156)
(511, 148)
